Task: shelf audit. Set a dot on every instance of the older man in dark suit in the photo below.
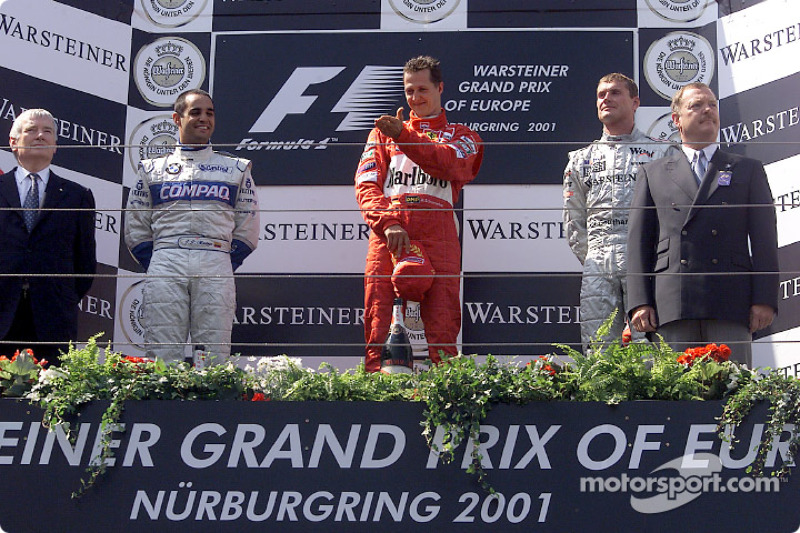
(46, 229)
(702, 240)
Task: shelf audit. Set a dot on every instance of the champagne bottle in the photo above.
(200, 356)
(397, 355)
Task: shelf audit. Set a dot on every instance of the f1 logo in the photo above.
(374, 92)
(290, 99)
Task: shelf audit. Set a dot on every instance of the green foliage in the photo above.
(17, 375)
(359, 386)
(612, 373)
(783, 395)
(460, 392)
(83, 377)
(457, 394)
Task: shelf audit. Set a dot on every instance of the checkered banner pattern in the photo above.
(296, 86)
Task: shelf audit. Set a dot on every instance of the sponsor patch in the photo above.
(366, 167)
(171, 191)
(215, 168)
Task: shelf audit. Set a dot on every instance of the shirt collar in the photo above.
(21, 174)
(709, 150)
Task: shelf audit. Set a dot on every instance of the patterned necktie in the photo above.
(699, 165)
(31, 212)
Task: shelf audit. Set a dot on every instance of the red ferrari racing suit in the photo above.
(414, 181)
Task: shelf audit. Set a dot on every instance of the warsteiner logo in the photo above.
(172, 13)
(167, 67)
(678, 10)
(154, 137)
(424, 11)
(677, 59)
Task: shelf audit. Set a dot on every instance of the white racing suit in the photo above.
(598, 187)
(191, 220)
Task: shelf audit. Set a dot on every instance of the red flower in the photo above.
(259, 397)
(139, 363)
(719, 354)
(136, 360)
(543, 363)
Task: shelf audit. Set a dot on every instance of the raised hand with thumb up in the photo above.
(389, 125)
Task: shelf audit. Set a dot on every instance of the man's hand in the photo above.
(644, 319)
(397, 239)
(761, 316)
(389, 125)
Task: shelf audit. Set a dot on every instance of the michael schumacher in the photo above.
(408, 180)
(192, 219)
(598, 187)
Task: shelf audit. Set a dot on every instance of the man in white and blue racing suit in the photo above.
(191, 220)
(598, 187)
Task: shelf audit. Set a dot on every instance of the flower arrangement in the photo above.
(457, 395)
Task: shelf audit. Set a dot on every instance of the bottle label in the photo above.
(200, 357)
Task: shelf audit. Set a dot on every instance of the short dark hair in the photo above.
(633, 89)
(180, 104)
(678, 97)
(420, 63)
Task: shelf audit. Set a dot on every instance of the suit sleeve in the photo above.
(376, 209)
(575, 207)
(85, 251)
(643, 231)
(763, 233)
(457, 159)
(138, 218)
(247, 220)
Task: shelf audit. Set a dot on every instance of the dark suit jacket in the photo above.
(684, 236)
(62, 242)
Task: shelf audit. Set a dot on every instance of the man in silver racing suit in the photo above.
(191, 220)
(598, 187)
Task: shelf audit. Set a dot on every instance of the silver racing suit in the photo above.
(598, 187)
(191, 220)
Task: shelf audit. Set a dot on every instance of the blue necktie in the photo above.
(31, 212)
(699, 165)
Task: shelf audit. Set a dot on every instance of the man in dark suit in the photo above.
(702, 241)
(46, 228)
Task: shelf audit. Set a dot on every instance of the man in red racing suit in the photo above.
(407, 182)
